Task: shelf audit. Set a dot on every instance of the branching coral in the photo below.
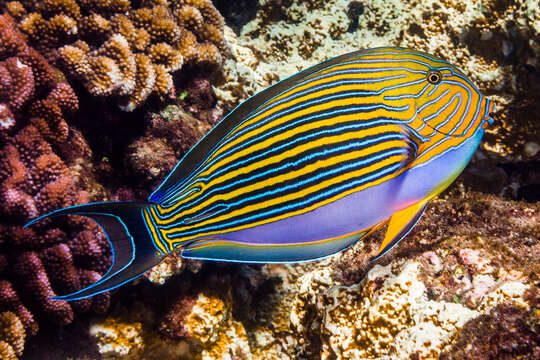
(16, 78)
(11, 301)
(48, 113)
(24, 74)
(33, 181)
(116, 48)
(38, 180)
(39, 263)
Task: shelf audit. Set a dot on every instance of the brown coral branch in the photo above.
(122, 50)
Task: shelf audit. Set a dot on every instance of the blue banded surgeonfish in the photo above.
(305, 168)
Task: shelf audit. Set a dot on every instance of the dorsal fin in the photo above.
(196, 155)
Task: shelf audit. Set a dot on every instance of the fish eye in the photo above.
(434, 77)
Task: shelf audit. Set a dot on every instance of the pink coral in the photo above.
(11, 41)
(24, 74)
(49, 112)
(9, 300)
(16, 83)
(64, 275)
(37, 180)
(16, 78)
(34, 180)
(39, 263)
(36, 282)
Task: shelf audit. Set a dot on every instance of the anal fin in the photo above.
(400, 224)
(228, 250)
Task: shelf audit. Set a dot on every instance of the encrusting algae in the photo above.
(120, 49)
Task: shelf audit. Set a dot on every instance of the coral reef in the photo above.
(463, 235)
(46, 163)
(463, 284)
(23, 74)
(41, 263)
(206, 322)
(115, 336)
(36, 146)
(387, 315)
(195, 327)
(124, 49)
(481, 338)
(473, 254)
(169, 135)
(200, 100)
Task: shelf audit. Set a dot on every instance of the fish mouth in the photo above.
(491, 111)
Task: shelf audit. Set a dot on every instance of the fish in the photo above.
(305, 168)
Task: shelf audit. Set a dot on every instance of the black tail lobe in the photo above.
(133, 250)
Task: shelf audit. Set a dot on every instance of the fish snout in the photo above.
(489, 117)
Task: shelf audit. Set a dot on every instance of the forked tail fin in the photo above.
(133, 250)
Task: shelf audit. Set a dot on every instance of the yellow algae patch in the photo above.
(210, 325)
(118, 336)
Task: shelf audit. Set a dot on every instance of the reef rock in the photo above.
(203, 329)
(496, 44)
(388, 315)
(168, 136)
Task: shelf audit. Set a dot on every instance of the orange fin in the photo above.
(400, 225)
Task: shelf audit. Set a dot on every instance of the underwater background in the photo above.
(99, 99)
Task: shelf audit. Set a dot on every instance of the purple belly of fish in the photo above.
(337, 225)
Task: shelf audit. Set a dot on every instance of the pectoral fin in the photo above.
(400, 224)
